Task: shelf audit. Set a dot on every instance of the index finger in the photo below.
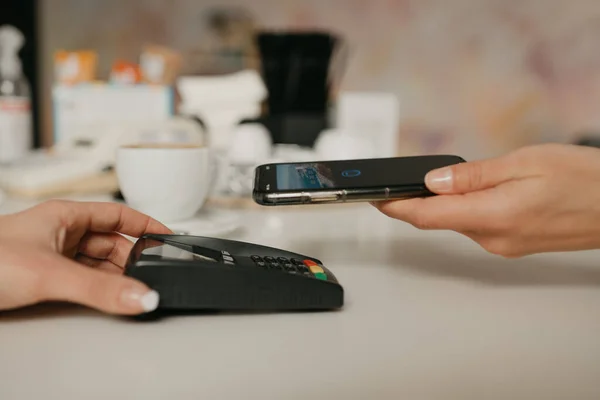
(461, 212)
(111, 217)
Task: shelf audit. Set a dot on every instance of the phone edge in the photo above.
(339, 196)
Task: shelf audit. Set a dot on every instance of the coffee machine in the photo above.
(299, 70)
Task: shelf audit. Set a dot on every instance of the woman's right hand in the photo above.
(536, 199)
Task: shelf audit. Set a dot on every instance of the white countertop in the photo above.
(428, 315)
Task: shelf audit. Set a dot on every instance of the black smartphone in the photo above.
(342, 181)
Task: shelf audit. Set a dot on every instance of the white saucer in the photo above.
(208, 223)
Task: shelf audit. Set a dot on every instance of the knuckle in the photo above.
(422, 221)
(85, 244)
(474, 176)
(55, 204)
(57, 207)
(116, 208)
(494, 246)
(114, 212)
(503, 247)
(535, 155)
(113, 251)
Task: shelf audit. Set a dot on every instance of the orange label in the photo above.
(14, 104)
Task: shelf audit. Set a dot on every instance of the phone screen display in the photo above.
(366, 173)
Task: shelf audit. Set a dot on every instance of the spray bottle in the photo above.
(15, 100)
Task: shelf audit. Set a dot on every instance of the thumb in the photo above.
(110, 293)
(469, 176)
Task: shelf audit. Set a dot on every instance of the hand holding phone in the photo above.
(346, 180)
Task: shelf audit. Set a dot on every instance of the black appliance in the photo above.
(297, 71)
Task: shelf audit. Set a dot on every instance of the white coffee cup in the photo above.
(169, 182)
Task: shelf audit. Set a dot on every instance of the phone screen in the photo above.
(368, 173)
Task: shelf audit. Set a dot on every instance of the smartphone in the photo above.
(342, 181)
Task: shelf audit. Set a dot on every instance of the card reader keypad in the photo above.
(275, 266)
(307, 268)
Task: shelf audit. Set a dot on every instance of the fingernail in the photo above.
(137, 298)
(439, 180)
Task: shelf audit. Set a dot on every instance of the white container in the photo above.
(16, 131)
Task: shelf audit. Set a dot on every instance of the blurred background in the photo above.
(475, 78)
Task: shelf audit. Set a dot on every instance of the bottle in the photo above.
(15, 99)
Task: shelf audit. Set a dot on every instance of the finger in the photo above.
(110, 293)
(460, 213)
(106, 246)
(110, 217)
(102, 265)
(472, 176)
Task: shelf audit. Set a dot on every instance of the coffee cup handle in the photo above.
(214, 170)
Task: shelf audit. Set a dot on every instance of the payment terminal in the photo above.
(200, 273)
